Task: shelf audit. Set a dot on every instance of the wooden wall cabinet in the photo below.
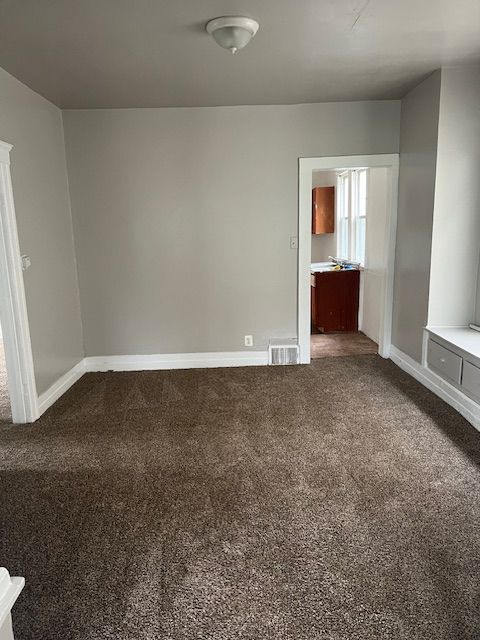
(323, 210)
(335, 300)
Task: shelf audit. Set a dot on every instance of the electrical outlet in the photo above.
(249, 341)
(294, 242)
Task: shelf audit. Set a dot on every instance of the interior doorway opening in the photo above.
(348, 229)
(347, 224)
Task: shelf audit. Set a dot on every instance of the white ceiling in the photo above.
(149, 53)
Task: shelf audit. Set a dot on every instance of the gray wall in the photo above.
(34, 126)
(456, 218)
(183, 217)
(418, 153)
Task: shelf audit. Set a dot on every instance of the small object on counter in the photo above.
(319, 267)
(345, 264)
(475, 327)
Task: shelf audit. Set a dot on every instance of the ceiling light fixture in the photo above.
(232, 32)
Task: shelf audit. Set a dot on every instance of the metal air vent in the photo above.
(283, 351)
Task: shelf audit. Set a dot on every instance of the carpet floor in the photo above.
(325, 345)
(336, 501)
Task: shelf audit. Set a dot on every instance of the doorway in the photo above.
(17, 372)
(347, 223)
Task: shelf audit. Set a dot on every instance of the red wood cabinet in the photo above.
(335, 299)
(323, 210)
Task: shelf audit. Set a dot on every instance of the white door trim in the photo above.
(305, 169)
(13, 306)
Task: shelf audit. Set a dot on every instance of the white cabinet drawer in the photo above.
(471, 379)
(445, 362)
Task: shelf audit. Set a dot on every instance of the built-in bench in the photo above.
(454, 354)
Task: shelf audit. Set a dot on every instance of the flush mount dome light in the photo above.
(232, 32)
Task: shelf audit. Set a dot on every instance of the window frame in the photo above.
(349, 208)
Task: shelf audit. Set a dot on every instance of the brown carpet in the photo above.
(337, 501)
(5, 411)
(325, 345)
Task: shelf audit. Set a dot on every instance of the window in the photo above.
(352, 215)
(343, 234)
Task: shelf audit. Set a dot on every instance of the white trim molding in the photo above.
(469, 409)
(149, 362)
(5, 149)
(60, 386)
(331, 163)
(177, 361)
(10, 589)
(13, 306)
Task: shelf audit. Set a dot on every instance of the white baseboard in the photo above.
(148, 362)
(176, 361)
(58, 388)
(469, 409)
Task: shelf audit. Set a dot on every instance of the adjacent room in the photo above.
(350, 215)
(240, 307)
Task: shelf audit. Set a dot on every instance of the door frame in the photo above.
(13, 307)
(306, 166)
